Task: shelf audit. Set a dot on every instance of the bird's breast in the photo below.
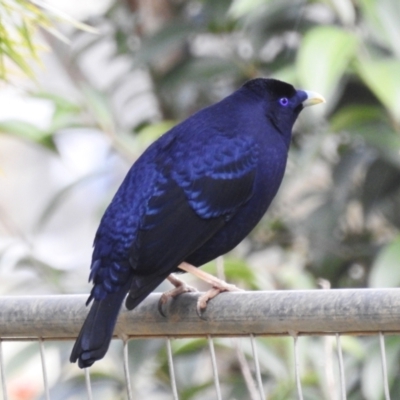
(270, 172)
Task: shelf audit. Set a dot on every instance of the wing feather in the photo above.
(192, 199)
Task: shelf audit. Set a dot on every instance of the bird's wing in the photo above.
(195, 194)
(218, 175)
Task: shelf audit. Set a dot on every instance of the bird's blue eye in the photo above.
(283, 101)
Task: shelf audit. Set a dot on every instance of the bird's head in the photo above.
(282, 103)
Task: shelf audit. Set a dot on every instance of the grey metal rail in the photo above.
(358, 311)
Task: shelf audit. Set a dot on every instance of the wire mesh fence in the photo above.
(242, 317)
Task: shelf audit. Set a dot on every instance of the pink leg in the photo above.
(218, 285)
(180, 287)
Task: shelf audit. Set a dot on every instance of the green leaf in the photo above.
(11, 51)
(59, 101)
(385, 270)
(149, 133)
(355, 116)
(100, 108)
(235, 269)
(352, 346)
(323, 58)
(383, 78)
(19, 20)
(26, 31)
(28, 131)
(383, 17)
(189, 346)
(23, 129)
(68, 19)
(286, 73)
(382, 138)
(240, 8)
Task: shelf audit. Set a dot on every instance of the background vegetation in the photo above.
(102, 98)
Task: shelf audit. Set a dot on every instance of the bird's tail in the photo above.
(96, 333)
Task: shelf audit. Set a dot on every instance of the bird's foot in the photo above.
(217, 288)
(180, 287)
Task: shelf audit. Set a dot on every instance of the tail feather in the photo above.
(96, 333)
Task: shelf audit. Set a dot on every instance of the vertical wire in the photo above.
(297, 368)
(3, 372)
(343, 395)
(126, 371)
(245, 369)
(214, 366)
(384, 368)
(171, 370)
(330, 385)
(88, 384)
(44, 370)
(257, 365)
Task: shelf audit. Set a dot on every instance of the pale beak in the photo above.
(312, 98)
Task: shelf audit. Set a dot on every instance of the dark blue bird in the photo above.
(193, 195)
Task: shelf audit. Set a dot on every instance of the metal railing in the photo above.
(239, 314)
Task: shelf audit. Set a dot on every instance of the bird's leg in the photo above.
(218, 285)
(180, 287)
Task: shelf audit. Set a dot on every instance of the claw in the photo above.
(218, 286)
(160, 305)
(200, 313)
(210, 294)
(203, 300)
(180, 287)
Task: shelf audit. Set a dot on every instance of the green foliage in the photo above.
(385, 271)
(384, 81)
(27, 131)
(19, 22)
(335, 48)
